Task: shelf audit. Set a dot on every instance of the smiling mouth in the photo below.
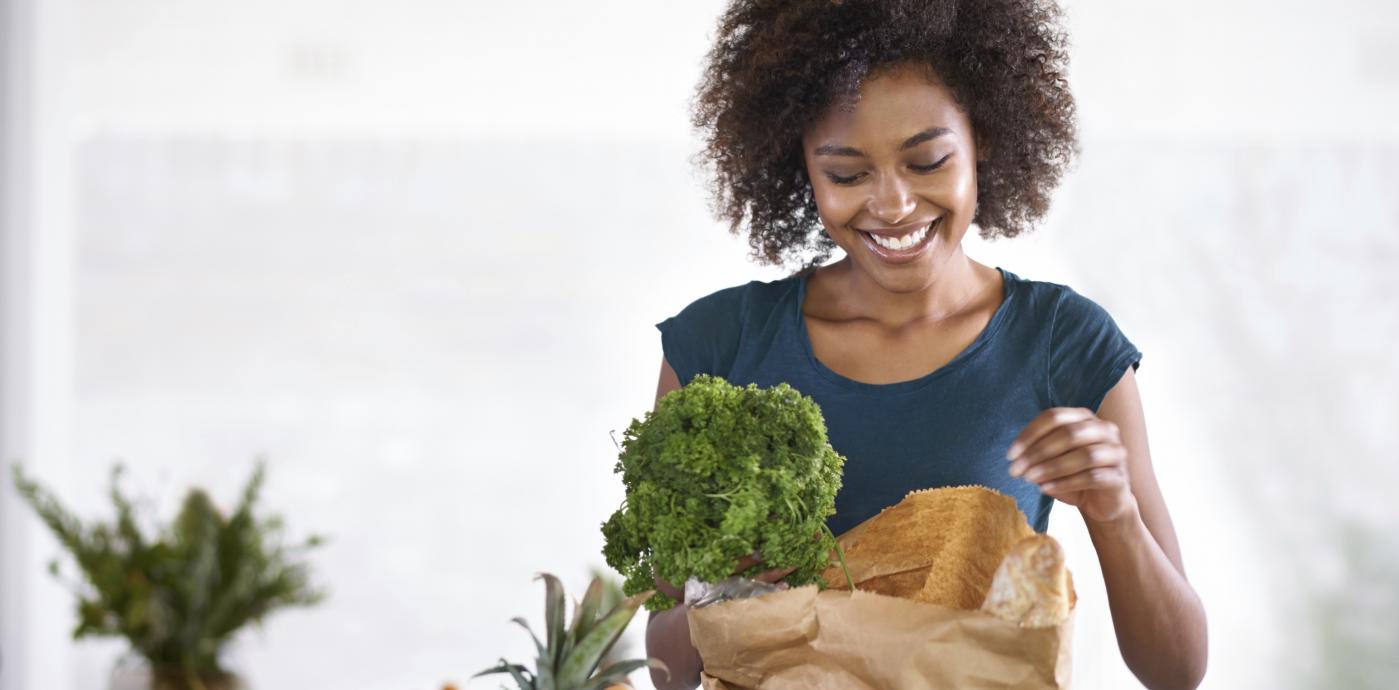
(904, 243)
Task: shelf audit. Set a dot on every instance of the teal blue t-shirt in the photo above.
(1046, 346)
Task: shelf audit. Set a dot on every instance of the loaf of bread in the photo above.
(964, 547)
(1032, 588)
(938, 546)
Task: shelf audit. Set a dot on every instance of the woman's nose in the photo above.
(891, 200)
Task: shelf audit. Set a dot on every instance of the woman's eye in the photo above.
(852, 179)
(930, 168)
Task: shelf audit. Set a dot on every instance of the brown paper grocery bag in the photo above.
(938, 546)
(800, 639)
(937, 549)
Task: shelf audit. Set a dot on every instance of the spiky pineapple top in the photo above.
(568, 657)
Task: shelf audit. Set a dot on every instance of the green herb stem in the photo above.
(840, 554)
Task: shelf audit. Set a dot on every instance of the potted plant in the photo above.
(178, 595)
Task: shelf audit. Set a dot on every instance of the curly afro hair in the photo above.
(777, 65)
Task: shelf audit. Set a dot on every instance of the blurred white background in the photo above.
(414, 251)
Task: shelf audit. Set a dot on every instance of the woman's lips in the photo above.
(899, 256)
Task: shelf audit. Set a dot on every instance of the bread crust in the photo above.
(1032, 587)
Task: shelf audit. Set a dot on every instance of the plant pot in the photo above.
(174, 678)
(134, 673)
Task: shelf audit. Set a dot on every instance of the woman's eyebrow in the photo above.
(929, 133)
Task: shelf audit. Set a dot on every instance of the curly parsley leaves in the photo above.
(717, 472)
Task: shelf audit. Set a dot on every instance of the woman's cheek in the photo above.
(837, 208)
(964, 188)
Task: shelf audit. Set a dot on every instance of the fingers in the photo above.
(768, 576)
(747, 562)
(771, 576)
(668, 589)
(1044, 423)
(1062, 438)
(1100, 455)
(1113, 478)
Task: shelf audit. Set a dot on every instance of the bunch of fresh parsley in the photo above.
(716, 473)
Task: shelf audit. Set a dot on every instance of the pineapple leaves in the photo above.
(537, 644)
(522, 676)
(583, 659)
(554, 603)
(585, 613)
(568, 658)
(616, 673)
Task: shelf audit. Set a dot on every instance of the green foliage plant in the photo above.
(179, 595)
(611, 596)
(717, 472)
(569, 656)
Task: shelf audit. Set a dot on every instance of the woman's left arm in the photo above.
(1100, 464)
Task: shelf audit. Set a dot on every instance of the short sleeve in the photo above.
(703, 338)
(1088, 354)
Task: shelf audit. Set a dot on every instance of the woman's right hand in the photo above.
(668, 633)
(768, 576)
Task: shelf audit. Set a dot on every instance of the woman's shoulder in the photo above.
(704, 336)
(735, 302)
(1052, 300)
(1086, 350)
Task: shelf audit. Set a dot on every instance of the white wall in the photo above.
(36, 328)
(414, 252)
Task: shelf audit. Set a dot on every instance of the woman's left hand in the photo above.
(1076, 458)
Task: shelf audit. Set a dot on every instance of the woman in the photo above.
(886, 129)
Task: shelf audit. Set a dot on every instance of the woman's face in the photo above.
(900, 166)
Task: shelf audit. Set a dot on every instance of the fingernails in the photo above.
(1016, 468)
(1014, 451)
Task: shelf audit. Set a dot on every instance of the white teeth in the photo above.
(901, 243)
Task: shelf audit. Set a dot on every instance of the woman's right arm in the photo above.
(668, 632)
(669, 381)
(668, 639)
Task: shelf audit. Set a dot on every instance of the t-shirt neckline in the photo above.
(833, 378)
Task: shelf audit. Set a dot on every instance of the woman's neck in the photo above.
(849, 293)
